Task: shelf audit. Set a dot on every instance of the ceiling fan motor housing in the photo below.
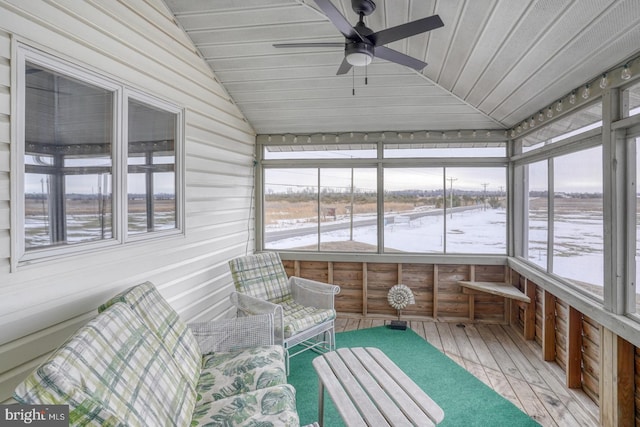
(364, 7)
(359, 53)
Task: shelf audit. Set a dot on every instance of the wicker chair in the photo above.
(303, 309)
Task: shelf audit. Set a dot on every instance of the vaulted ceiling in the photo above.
(493, 64)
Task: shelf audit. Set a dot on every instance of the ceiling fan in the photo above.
(361, 44)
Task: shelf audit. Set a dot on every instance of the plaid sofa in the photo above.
(138, 364)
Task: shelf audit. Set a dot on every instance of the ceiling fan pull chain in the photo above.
(353, 82)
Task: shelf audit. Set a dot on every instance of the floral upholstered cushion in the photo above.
(110, 372)
(268, 407)
(298, 317)
(229, 374)
(161, 318)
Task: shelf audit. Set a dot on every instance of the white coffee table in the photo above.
(368, 389)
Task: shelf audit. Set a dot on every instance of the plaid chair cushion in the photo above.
(273, 406)
(299, 317)
(161, 318)
(261, 276)
(229, 374)
(110, 373)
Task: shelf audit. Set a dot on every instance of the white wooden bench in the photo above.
(368, 389)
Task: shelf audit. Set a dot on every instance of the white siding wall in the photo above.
(136, 42)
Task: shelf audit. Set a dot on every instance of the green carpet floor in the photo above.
(466, 401)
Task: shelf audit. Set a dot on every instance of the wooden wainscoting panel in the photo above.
(636, 378)
(290, 267)
(453, 305)
(617, 369)
(562, 324)
(348, 275)
(625, 392)
(489, 308)
(489, 273)
(539, 314)
(315, 270)
(530, 310)
(590, 385)
(590, 358)
(548, 327)
(380, 278)
(419, 278)
(590, 378)
(574, 349)
(518, 312)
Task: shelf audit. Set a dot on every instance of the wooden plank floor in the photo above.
(513, 367)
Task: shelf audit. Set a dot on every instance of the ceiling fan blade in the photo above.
(383, 52)
(338, 19)
(405, 30)
(344, 67)
(319, 44)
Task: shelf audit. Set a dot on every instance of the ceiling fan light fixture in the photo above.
(358, 59)
(359, 54)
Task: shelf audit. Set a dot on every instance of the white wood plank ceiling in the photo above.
(493, 64)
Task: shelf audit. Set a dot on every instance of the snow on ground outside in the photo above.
(578, 244)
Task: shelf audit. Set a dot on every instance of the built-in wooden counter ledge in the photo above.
(495, 288)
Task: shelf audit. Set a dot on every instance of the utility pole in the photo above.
(484, 196)
(351, 210)
(451, 193)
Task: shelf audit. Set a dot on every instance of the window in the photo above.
(538, 213)
(68, 160)
(562, 197)
(476, 219)
(414, 210)
(340, 199)
(151, 181)
(445, 210)
(564, 235)
(630, 107)
(573, 124)
(633, 94)
(635, 208)
(348, 215)
(69, 195)
(445, 149)
(324, 151)
(578, 225)
(327, 209)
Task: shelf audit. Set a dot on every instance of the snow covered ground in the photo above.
(578, 244)
(471, 231)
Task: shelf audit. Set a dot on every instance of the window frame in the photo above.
(631, 192)
(617, 136)
(20, 256)
(380, 162)
(525, 229)
(152, 101)
(581, 142)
